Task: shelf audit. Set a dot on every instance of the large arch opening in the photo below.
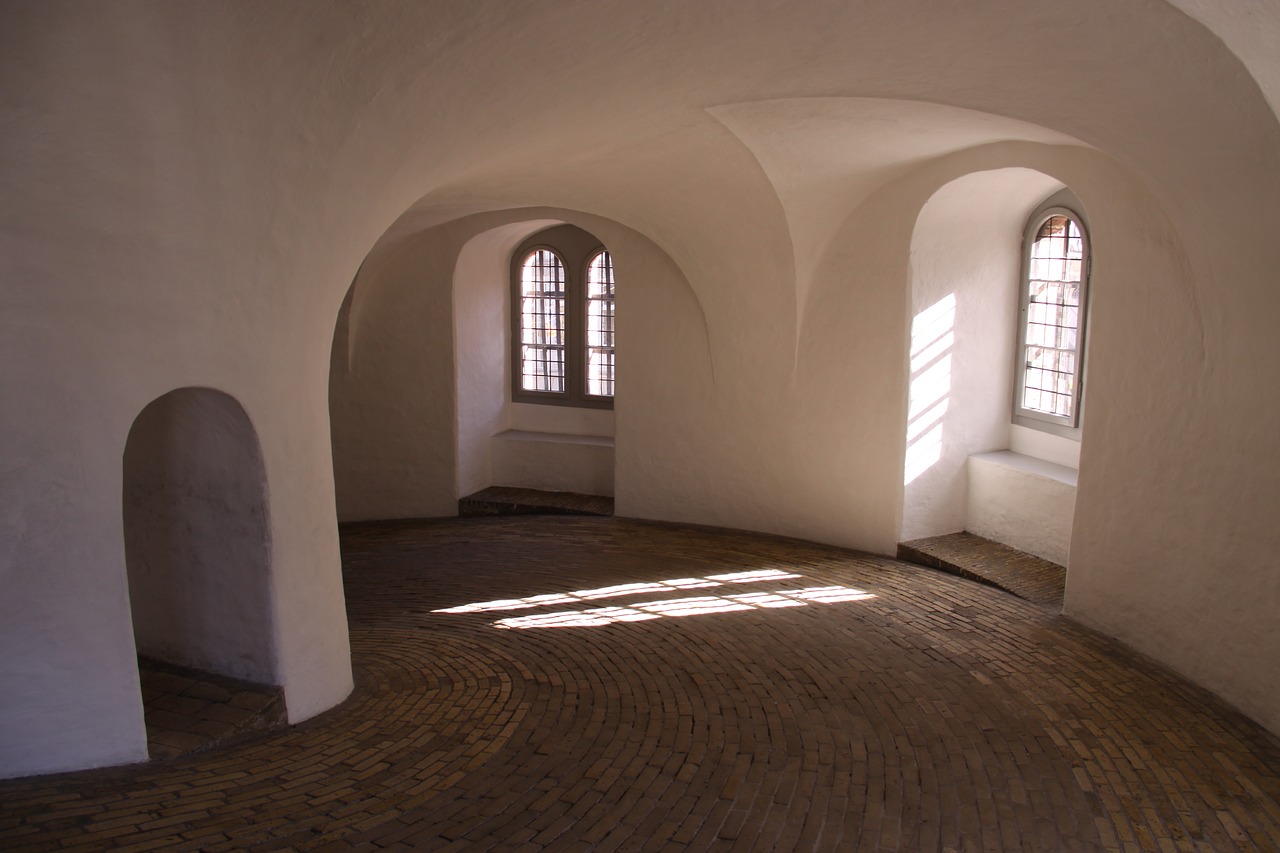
(420, 395)
(197, 550)
(420, 392)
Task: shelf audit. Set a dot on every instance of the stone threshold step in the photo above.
(507, 500)
(978, 559)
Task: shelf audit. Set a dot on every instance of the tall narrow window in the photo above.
(1051, 338)
(563, 348)
(542, 322)
(600, 336)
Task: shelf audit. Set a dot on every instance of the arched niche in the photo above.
(500, 441)
(965, 261)
(196, 536)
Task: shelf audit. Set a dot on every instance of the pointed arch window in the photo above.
(1049, 387)
(563, 313)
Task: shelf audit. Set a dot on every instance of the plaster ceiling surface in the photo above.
(823, 155)
(787, 116)
(829, 99)
(805, 143)
(625, 71)
(403, 98)
(1251, 29)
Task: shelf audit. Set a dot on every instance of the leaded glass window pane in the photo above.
(1053, 315)
(542, 322)
(600, 328)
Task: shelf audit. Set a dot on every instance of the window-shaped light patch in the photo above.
(655, 608)
(698, 605)
(621, 590)
(542, 322)
(831, 594)
(766, 599)
(600, 352)
(753, 576)
(932, 339)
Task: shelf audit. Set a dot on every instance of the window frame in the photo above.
(576, 250)
(1061, 204)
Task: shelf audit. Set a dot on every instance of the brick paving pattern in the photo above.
(975, 558)
(189, 711)
(577, 684)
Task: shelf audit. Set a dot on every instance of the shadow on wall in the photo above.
(196, 536)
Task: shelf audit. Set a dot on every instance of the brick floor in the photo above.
(831, 701)
(1009, 569)
(189, 711)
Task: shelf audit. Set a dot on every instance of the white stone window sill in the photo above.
(555, 438)
(1030, 465)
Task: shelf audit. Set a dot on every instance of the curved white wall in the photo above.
(170, 220)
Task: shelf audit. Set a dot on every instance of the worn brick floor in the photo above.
(598, 684)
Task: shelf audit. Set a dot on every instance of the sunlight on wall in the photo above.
(644, 610)
(932, 336)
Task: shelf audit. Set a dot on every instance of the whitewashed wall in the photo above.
(170, 221)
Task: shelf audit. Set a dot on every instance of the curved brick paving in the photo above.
(829, 701)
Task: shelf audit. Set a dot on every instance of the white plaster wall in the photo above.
(553, 462)
(196, 536)
(482, 316)
(169, 220)
(966, 254)
(1043, 445)
(1025, 503)
(1251, 29)
(565, 420)
(144, 248)
(391, 399)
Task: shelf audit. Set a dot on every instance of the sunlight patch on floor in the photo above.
(754, 576)
(696, 605)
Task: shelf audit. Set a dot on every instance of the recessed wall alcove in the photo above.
(196, 536)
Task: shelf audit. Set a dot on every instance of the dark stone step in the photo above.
(506, 500)
(969, 556)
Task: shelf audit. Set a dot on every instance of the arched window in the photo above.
(1050, 368)
(600, 334)
(563, 350)
(542, 322)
